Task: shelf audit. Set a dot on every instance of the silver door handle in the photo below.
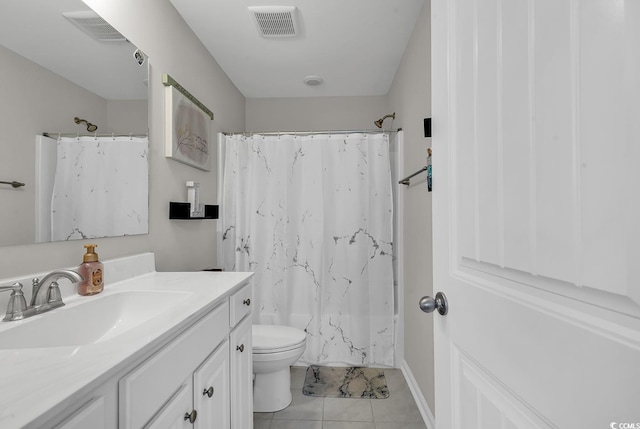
(429, 305)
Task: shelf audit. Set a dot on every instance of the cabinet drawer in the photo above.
(240, 304)
(150, 385)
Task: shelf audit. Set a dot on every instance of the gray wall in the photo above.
(315, 113)
(410, 97)
(172, 48)
(127, 116)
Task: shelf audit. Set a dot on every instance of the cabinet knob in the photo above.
(208, 392)
(247, 301)
(191, 416)
(240, 347)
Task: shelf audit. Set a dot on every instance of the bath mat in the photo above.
(350, 382)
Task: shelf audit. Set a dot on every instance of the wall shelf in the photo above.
(181, 211)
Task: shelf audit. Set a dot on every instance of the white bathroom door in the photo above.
(536, 137)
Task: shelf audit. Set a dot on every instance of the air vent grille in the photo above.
(275, 21)
(96, 27)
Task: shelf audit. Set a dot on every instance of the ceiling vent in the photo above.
(275, 21)
(96, 27)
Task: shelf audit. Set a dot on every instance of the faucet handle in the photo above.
(17, 304)
(53, 294)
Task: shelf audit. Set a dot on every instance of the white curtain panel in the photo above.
(312, 216)
(94, 193)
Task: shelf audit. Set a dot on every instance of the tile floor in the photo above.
(399, 411)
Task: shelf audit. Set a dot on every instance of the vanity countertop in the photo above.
(37, 380)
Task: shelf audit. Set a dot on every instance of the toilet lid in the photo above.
(276, 338)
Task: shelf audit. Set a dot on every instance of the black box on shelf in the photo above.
(183, 211)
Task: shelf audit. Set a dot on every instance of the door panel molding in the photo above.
(616, 303)
(493, 404)
(610, 325)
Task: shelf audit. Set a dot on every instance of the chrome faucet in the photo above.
(46, 295)
(46, 291)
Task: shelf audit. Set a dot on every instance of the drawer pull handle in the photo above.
(240, 347)
(191, 416)
(208, 392)
(247, 301)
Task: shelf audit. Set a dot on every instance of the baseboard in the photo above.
(421, 402)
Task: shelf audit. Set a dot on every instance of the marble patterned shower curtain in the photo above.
(312, 216)
(94, 193)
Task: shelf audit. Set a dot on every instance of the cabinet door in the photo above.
(172, 415)
(211, 391)
(241, 365)
(145, 389)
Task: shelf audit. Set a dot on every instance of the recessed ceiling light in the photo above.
(313, 80)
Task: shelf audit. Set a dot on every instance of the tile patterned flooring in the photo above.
(399, 411)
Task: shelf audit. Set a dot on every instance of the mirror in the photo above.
(57, 79)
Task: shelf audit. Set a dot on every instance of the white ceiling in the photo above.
(354, 45)
(37, 30)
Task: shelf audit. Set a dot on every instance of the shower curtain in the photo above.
(312, 216)
(92, 192)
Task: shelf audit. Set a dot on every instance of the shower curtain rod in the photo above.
(308, 133)
(55, 135)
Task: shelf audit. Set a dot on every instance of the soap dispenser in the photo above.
(92, 271)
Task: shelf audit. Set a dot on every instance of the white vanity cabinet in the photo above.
(91, 415)
(201, 379)
(97, 409)
(163, 345)
(98, 412)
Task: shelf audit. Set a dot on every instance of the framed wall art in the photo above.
(188, 132)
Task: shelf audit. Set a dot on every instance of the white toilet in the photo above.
(275, 349)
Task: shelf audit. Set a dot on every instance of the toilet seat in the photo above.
(276, 338)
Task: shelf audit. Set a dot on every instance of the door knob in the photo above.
(429, 305)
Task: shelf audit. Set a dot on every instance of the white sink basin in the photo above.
(89, 320)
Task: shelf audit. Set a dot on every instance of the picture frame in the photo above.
(188, 131)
